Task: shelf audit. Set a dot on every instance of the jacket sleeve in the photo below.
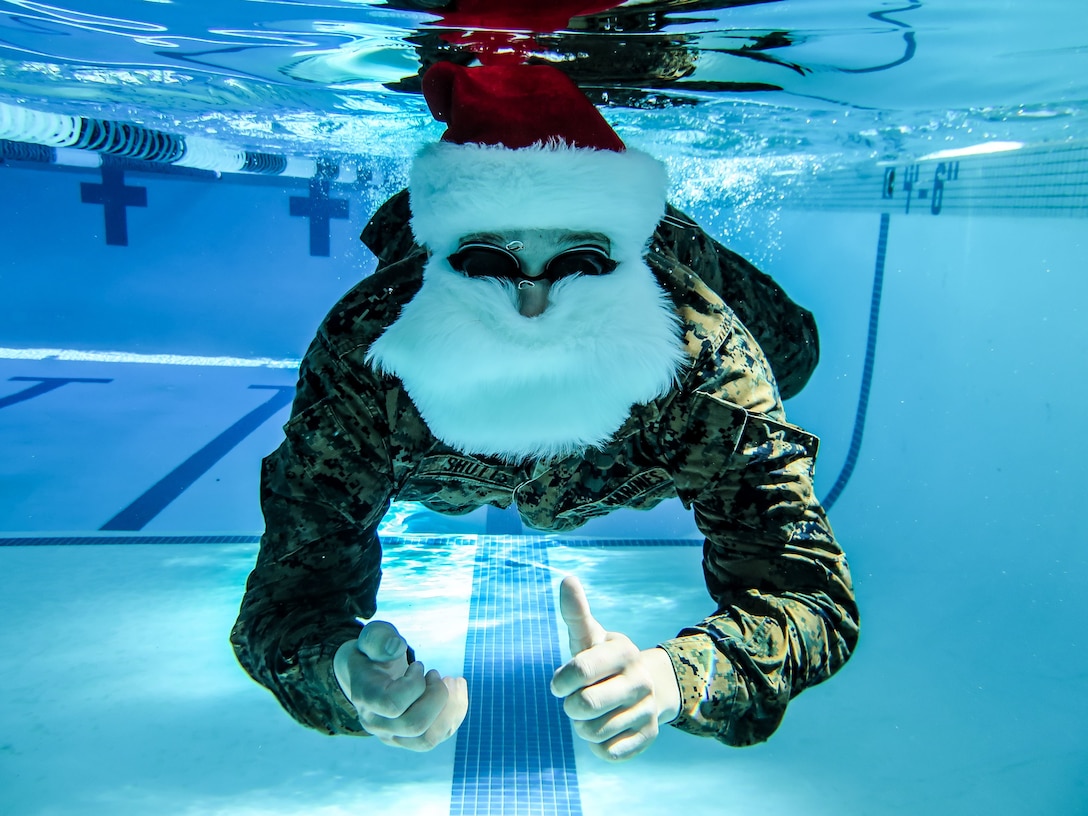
(323, 493)
(786, 617)
(785, 331)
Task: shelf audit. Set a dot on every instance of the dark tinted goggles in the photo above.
(490, 261)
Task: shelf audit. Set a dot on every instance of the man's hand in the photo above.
(399, 704)
(615, 695)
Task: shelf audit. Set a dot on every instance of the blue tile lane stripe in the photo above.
(44, 386)
(515, 752)
(155, 500)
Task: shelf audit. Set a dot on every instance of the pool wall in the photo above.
(959, 517)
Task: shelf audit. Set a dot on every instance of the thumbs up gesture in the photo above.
(398, 703)
(615, 695)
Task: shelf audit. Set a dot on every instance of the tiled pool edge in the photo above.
(86, 539)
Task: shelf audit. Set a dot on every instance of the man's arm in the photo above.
(786, 617)
(323, 493)
(785, 331)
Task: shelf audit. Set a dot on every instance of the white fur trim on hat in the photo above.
(460, 189)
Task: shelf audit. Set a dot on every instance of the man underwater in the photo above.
(544, 331)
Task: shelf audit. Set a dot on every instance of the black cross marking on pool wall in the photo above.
(319, 208)
(115, 196)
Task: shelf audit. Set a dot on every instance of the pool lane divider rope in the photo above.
(867, 369)
(37, 138)
(42, 137)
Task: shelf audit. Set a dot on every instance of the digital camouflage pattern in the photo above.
(785, 616)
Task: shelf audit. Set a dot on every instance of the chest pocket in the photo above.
(450, 483)
(564, 498)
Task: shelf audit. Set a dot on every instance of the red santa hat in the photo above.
(525, 149)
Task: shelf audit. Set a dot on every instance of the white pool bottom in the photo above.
(119, 695)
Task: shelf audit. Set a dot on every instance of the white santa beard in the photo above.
(490, 381)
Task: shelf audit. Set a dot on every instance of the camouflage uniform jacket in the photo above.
(785, 617)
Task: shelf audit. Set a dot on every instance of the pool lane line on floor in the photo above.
(515, 751)
(156, 499)
(866, 371)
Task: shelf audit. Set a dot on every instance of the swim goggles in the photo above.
(490, 261)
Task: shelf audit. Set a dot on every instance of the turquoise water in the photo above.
(858, 79)
(955, 131)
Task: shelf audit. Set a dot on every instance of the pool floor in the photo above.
(119, 693)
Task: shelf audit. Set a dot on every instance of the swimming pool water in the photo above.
(141, 381)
